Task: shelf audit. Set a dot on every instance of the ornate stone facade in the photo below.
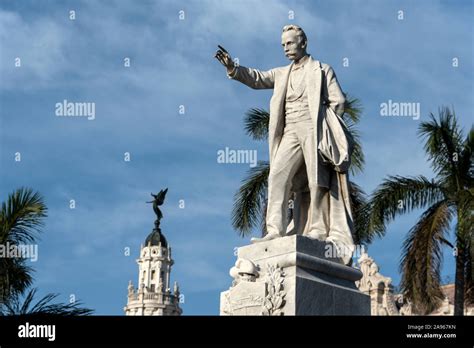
(377, 286)
(153, 296)
(385, 302)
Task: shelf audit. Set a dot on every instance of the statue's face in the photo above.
(293, 48)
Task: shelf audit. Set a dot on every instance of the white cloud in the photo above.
(40, 46)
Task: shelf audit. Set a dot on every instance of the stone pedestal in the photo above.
(293, 275)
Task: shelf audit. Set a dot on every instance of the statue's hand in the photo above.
(225, 59)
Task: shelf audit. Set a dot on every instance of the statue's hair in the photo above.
(300, 32)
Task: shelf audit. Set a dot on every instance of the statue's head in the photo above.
(294, 42)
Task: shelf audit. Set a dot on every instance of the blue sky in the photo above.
(81, 251)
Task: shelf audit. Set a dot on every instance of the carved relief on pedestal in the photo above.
(251, 294)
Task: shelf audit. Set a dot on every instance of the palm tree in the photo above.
(448, 195)
(250, 200)
(21, 219)
(24, 306)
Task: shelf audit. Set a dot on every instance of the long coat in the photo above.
(323, 93)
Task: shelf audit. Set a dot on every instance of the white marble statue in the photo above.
(310, 146)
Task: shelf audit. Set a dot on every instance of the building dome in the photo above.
(155, 238)
(154, 296)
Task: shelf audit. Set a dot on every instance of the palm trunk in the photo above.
(459, 280)
(469, 286)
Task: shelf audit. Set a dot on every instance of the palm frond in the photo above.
(249, 201)
(352, 111)
(361, 215)
(466, 162)
(357, 156)
(256, 123)
(21, 216)
(25, 306)
(422, 258)
(15, 277)
(443, 143)
(399, 195)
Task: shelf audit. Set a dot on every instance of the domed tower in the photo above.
(154, 295)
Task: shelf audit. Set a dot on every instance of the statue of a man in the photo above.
(309, 144)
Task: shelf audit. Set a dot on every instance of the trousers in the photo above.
(326, 215)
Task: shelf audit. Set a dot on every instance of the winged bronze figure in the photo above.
(158, 200)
